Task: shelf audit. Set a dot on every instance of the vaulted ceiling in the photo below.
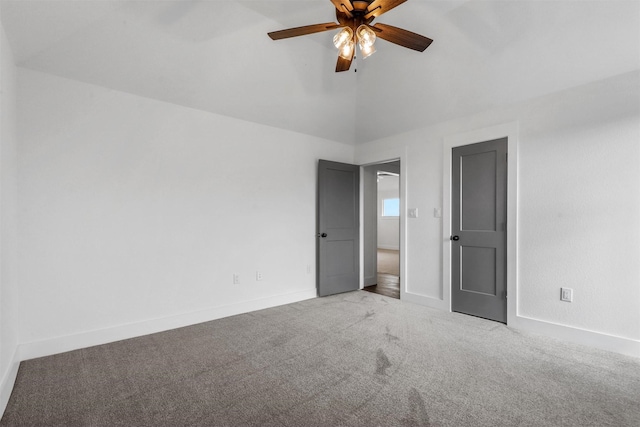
(215, 55)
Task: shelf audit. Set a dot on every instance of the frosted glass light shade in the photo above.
(343, 37)
(367, 51)
(347, 49)
(366, 36)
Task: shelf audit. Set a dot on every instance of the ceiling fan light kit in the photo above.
(346, 51)
(367, 51)
(354, 20)
(366, 39)
(343, 37)
(366, 36)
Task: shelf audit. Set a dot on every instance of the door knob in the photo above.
(322, 235)
(456, 238)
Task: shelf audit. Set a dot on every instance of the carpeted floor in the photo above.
(389, 262)
(356, 359)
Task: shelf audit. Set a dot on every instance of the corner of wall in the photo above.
(8, 380)
(9, 360)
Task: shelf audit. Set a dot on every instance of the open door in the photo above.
(338, 237)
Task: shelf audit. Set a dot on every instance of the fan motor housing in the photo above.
(360, 5)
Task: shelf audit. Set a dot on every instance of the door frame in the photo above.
(363, 209)
(510, 131)
(373, 158)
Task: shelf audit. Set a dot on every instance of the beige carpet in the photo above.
(355, 360)
(389, 262)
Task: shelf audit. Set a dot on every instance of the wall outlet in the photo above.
(236, 279)
(259, 275)
(566, 294)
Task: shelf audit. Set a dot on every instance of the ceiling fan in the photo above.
(355, 18)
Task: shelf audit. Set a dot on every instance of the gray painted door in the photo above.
(479, 237)
(338, 228)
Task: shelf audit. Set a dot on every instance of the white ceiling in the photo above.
(214, 55)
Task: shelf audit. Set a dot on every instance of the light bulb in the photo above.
(343, 37)
(366, 36)
(367, 50)
(346, 51)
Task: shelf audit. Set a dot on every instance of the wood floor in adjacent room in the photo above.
(388, 274)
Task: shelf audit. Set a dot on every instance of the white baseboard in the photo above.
(626, 346)
(389, 248)
(103, 336)
(8, 380)
(598, 340)
(424, 300)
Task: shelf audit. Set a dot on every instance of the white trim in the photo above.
(389, 247)
(509, 130)
(8, 381)
(361, 230)
(87, 339)
(425, 300)
(575, 335)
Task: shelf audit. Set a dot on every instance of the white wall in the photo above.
(135, 214)
(388, 227)
(8, 227)
(578, 212)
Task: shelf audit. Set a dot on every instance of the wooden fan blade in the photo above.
(401, 37)
(344, 64)
(302, 31)
(343, 6)
(378, 7)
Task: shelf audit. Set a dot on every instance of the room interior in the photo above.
(381, 228)
(139, 141)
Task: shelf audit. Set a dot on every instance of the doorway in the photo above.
(381, 216)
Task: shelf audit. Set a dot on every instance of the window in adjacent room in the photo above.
(390, 207)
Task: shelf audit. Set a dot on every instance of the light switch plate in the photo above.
(413, 212)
